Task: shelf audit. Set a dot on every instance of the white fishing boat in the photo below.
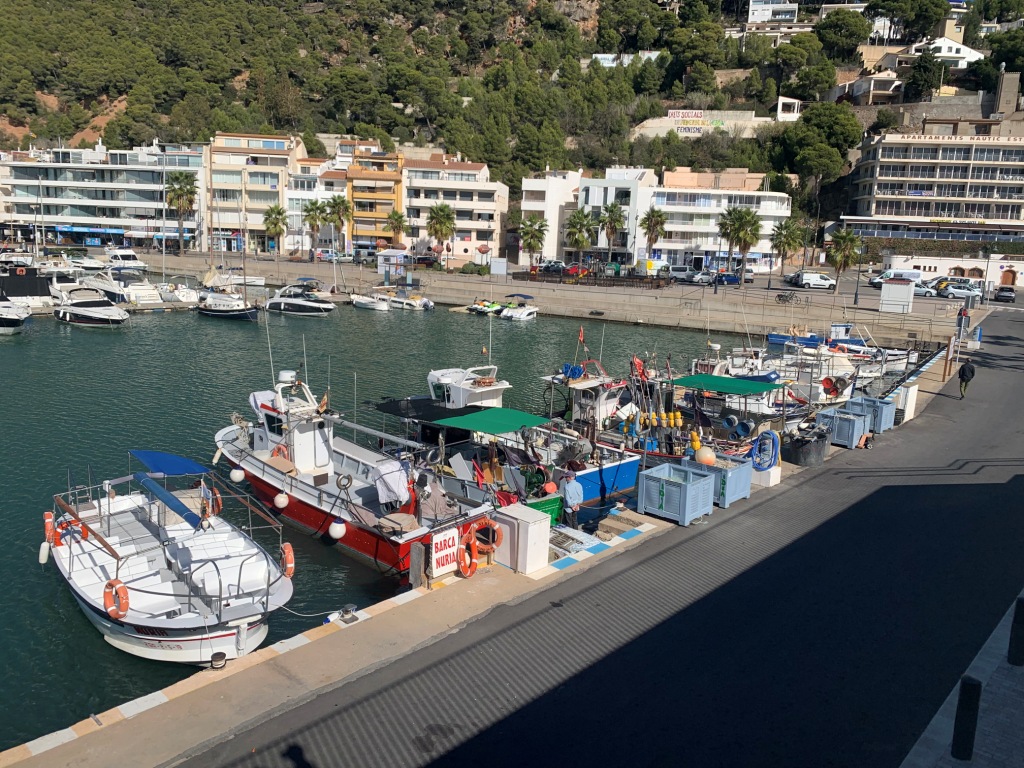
(370, 302)
(401, 299)
(298, 299)
(12, 316)
(519, 308)
(158, 572)
(124, 257)
(227, 306)
(87, 306)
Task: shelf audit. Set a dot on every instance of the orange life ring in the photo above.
(115, 599)
(488, 547)
(281, 450)
(48, 529)
(468, 554)
(840, 348)
(20, 271)
(287, 560)
(68, 525)
(216, 503)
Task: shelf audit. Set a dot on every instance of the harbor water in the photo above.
(77, 399)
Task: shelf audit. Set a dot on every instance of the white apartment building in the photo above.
(694, 203)
(480, 206)
(771, 11)
(246, 174)
(305, 186)
(552, 197)
(622, 185)
(94, 197)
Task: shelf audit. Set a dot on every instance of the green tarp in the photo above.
(727, 385)
(494, 421)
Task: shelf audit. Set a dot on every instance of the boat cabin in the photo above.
(593, 395)
(464, 387)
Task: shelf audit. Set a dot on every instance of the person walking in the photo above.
(572, 499)
(965, 374)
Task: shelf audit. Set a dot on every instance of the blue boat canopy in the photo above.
(172, 502)
(168, 463)
(523, 296)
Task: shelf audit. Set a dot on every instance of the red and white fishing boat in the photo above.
(374, 505)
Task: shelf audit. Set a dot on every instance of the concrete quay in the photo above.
(752, 310)
(260, 709)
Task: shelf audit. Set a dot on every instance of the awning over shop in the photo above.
(495, 421)
(726, 385)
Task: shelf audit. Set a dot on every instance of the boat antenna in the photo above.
(305, 367)
(328, 393)
(270, 352)
(490, 335)
(600, 353)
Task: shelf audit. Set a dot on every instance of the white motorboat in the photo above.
(12, 316)
(87, 264)
(24, 285)
(124, 286)
(519, 308)
(87, 306)
(298, 299)
(318, 287)
(373, 505)
(228, 306)
(158, 572)
(401, 299)
(178, 288)
(237, 276)
(124, 257)
(370, 302)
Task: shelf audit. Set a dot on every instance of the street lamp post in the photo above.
(860, 268)
(986, 251)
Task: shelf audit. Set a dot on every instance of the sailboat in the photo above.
(220, 301)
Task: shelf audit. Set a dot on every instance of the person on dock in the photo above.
(572, 499)
(965, 374)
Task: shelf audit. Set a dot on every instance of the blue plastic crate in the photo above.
(676, 493)
(731, 483)
(881, 414)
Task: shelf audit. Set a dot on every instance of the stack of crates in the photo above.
(847, 428)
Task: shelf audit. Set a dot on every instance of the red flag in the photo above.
(581, 334)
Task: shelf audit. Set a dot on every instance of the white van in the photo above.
(816, 280)
(651, 267)
(913, 275)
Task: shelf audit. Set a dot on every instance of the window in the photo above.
(430, 194)
(463, 215)
(947, 210)
(952, 171)
(427, 175)
(227, 177)
(984, 172)
(232, 142)
(925, 153)
(917, 208)
(891, 171)
(485, 235)
(449, 194)
(265, 144)
(922, 171)
(978, 210)
(263, 179)
(895, 153)
(414, 194)
(950, 190)
(466, 196)
(463, 235)
(486, 197)
(461, 177)
(263, 198)
(987, 154)
(227, 195)
(1013, 156)
(413, 213)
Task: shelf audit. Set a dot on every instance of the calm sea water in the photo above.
(79, 398)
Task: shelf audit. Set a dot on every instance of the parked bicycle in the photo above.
(787, 297)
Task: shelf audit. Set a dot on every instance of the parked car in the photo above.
(366, 259)
(1005, 293)
(680, 274)
(553, 266)
(576, 270)
(426, 261)
(920, 289)
(817, 280)
(748, 276)
(727, 278)
(959, 291)
(327, 254)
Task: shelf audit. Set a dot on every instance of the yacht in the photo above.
(124, 257)
(12, 316)
(124, 286)
(298, 299)
(228, 306)
(87, 306)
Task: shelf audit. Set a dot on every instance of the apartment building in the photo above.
(622, 185)
(956, 180)
(771, 11)
(93, 197)
(374, 188)
(246, 175)
(480, 206)
(693, 204)
(307, 185)
(552, 197)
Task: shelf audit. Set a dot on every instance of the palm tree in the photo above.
(531, 234)
(339, 213)
(653, 225)
(845, 248)
(180, 193)
(787, 237)
(396, 225)
(612, 219)
(726, 227)
(579, 228)
(746, 234)
(314, 214)
(275, 222)
(441, 223)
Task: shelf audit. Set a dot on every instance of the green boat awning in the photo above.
(727, 385)
(494, 421)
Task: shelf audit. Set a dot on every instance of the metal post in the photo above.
(965, 726)
(163, 224)
(860, 270)
(1015, 652)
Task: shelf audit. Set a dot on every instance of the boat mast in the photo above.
(244, 226)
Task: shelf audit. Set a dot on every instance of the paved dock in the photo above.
(819, 623)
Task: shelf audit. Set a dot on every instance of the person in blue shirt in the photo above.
(572, 499)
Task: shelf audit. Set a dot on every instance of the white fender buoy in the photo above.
(336, 530)
(237, 475)
(281, 500)
(44, 552)
(217, 455)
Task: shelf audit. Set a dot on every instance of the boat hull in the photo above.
(179, 646)
(12, 325)
(250, 313)
(300, 308)
(73, 317)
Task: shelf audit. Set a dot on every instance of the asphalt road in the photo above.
(821, 626)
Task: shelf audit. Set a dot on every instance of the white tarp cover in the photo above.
(391, 481)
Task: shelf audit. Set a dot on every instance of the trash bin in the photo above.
(807, 450)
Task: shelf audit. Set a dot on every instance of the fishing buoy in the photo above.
(705, 456)
(237, 475)
(217, 455)
(336, 530)
(694, 440)
(483, 350)
(827, 383)
(729, 422)
(44, 552)
(281, 500)
(744, 428)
